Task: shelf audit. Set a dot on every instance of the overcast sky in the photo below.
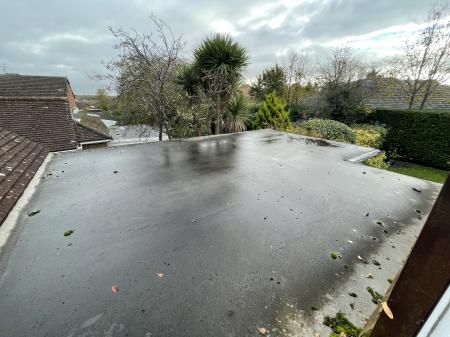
(71, 38)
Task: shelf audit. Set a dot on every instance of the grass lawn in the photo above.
(422, 172)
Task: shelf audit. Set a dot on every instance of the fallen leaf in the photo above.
(387, 310)
(317, 334)
(68, 232)
(115, 288)
(349, 241)
(160, 275)
(34, 212)
(370, 275)
(262, 331)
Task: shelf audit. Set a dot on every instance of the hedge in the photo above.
(422, 136)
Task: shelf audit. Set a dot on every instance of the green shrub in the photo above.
(344, 102)
(329, 129)
(419, 136)
(379, 161)
(298, 111)
(94, 122)
(253, 108)
(272, 114)
(371, 135)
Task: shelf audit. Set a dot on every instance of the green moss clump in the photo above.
(376, 297)
(334, 255)
(94, 122)
(340, 324)
(390, 280)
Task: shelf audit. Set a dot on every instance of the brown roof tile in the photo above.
(387, 93)
(89, 134)
(47, 121)
(14, 85)
(40, 108)
(20, 158)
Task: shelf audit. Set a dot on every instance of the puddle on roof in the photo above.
(272, 138)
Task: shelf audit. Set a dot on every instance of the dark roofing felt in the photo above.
(14, 85)
(20, 158)
(217, 217)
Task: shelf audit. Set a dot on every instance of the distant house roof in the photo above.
(41, 109)
(15, 85)
(87, 134)
(387, 93)
(20, 158)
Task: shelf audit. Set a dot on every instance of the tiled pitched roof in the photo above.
(89, 134)
(14, 85)
(40, 108)
(387, 93)
(20, 158)
(47, 121)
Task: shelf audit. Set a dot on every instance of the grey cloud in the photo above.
(355, 17)
(26, 26)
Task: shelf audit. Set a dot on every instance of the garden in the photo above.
(205, 95)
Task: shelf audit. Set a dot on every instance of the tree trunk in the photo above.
(411, 101)
(425, 96)
(160, 131)
(218, 117)
(169, 135)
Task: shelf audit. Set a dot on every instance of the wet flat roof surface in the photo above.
(206, 237)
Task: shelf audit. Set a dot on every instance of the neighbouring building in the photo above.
(388, 93)
(41, 108)
(36, 117)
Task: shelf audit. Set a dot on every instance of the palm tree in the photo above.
(237, 115)
(188, 78)
(220, 62)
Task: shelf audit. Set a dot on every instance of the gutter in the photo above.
(92, 142)
(95, 142)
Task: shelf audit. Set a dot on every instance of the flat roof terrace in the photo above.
(213, 236)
